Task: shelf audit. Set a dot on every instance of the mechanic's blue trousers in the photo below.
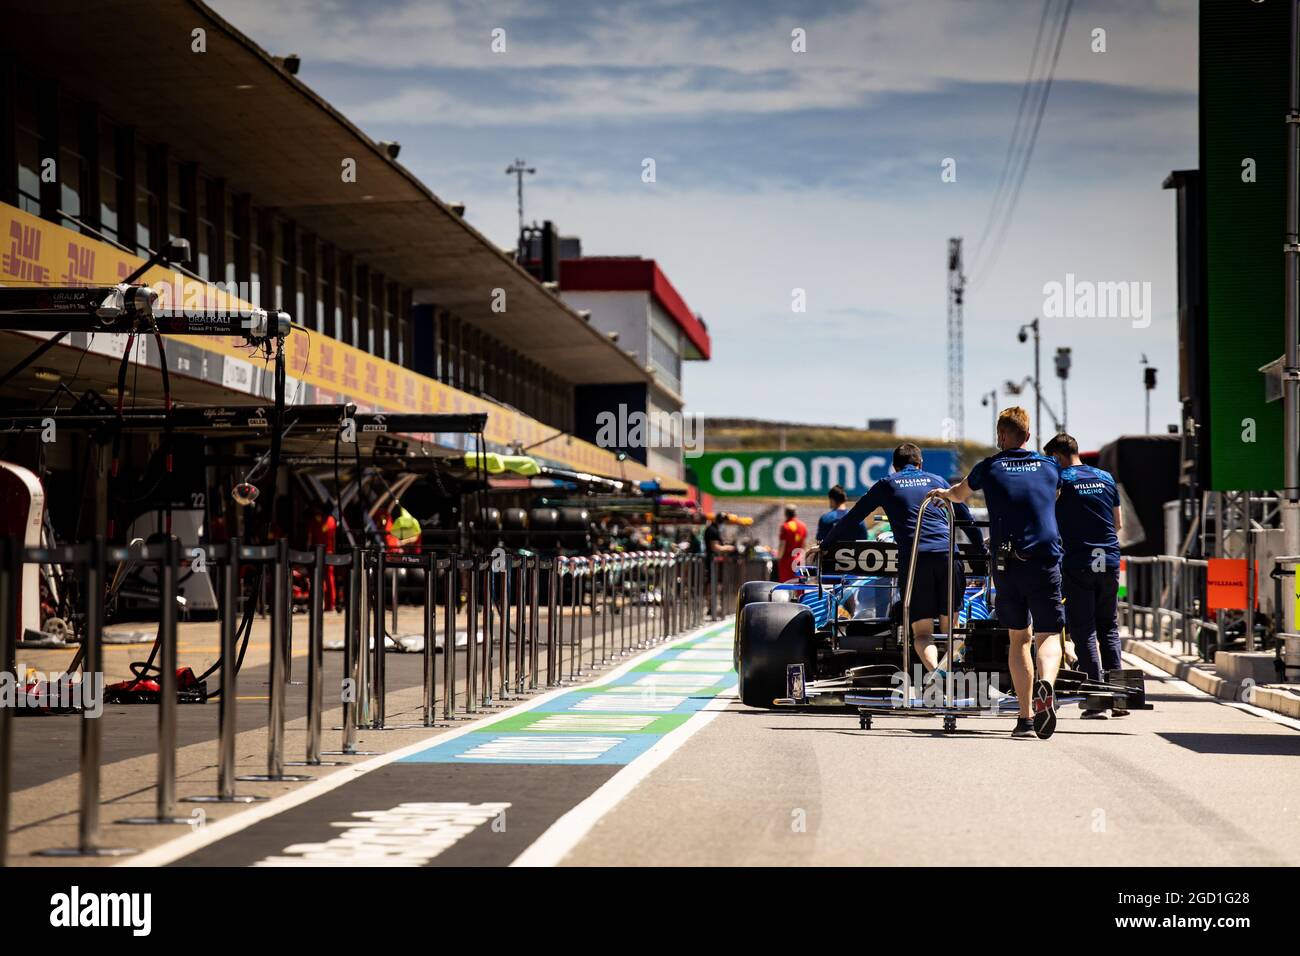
(1092, 617)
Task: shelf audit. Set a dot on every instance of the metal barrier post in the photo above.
(352, 687)
(280, 622)
(534, 598)
(226, 713)
(165, 811)
(10, 578)
(92, 669)
(453, 567)
(380, 641)
(521, 591)
(315, 659)
(503, 634)
(431, 641)
(554, 635)
(472, 643)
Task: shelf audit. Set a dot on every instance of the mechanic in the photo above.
(1087, 513)
(900, 495)
(793, 535)
(839, 504)
(1020, 488)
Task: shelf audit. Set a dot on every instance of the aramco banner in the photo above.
(803, 474)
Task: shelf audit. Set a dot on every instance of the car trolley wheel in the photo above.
(950, 723)
(771, 637)
(864, 721)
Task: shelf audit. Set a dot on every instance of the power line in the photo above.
(1010, 206)
(1029, 84)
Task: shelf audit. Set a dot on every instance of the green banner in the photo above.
(1244, 77)
(802, 474)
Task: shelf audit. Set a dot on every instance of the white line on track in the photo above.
(196, 840)
(565, 833)
(1195, 691)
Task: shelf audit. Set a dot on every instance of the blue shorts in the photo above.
(930, 585)
(1026, 591)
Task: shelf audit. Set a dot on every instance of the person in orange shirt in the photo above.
(321, 530)
(794, 533)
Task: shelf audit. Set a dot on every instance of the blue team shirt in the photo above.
(1085, 514)
(828, 521)
(901, 494)
(1020, 490)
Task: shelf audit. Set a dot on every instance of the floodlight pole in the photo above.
(518, 169)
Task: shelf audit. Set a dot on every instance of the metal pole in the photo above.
(92, 670)
(430, 640)
(471, 648)
(282, 576)
(1250, 575)
(452, 584)
(226, 713)
(521, 592)
(165, 810)
(10, 578)
(553, 636)
(535, 580)
(1038, 400)
(1291, 305)
(377, 675)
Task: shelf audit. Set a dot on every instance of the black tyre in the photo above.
(752, 592)
(773, 636)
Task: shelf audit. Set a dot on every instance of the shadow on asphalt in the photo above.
(1253, 745)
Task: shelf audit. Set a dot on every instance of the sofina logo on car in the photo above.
(867, 558)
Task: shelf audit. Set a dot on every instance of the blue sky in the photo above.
(818, 171)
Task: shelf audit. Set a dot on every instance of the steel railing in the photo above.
(532, 622)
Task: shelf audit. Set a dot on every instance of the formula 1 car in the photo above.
(821, 641)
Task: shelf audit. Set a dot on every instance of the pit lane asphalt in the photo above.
(1193, 782)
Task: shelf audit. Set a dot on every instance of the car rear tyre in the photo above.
(773, 636)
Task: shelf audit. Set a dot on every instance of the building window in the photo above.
(666, 361)
(110, 181)
(146, 203)
(179, 211)
(206, 251)
(28, 146)
(72, 164)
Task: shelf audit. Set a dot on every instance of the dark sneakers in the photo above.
(1044, 709)
(1024, 728)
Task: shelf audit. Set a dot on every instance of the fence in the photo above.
(1166, 601)
(533, 622)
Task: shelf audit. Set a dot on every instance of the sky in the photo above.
(819, 171)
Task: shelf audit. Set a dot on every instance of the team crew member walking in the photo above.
(900, 495)
(1087, 512)
(1020, 490)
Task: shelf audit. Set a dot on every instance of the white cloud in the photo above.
(874, 48)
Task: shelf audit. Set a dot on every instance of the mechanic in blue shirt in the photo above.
(1087, 513)
(900, 495)
(838, 500)
(1020, 491)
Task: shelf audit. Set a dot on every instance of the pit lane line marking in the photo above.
(1195, 691)
(565, 833)
(189, 843)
